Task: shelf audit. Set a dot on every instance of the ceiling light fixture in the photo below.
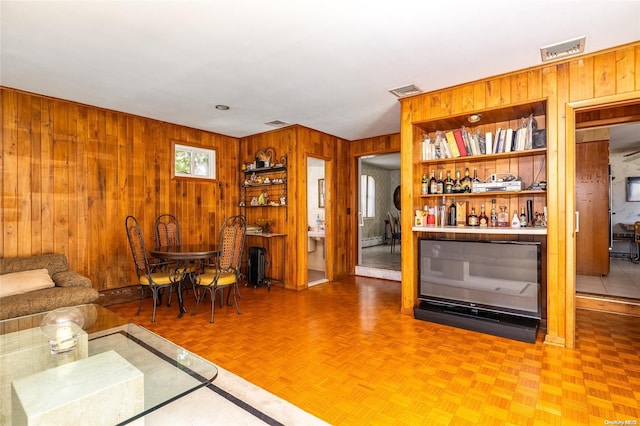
(563, 49)
(222, 107)
(474, 118)
(408, 90)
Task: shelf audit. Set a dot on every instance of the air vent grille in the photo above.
(560, 50)
(408, 90)
(277, 123)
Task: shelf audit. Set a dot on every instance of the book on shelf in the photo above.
(453, 145)
(488, 141)
(482, 142)
(460, 143)
(508, 140)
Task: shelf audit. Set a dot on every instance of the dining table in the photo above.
(183, 256)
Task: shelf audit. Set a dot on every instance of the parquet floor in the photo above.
(343, 352)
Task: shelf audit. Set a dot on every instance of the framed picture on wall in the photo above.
(633, 188)
(321, 193)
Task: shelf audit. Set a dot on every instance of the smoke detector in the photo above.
(563, 49)
(408, 90)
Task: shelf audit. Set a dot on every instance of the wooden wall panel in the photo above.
(598, 75)
(297, 143)
(71, 173)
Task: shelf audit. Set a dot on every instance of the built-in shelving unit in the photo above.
(528, 165)
(264, 181)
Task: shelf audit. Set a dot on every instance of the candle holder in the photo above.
(62, 327)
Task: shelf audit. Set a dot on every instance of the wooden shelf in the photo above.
(486, 194)
(478, 230)
(473, 158)
(489, 115)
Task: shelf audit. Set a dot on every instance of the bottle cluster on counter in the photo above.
(462, 214)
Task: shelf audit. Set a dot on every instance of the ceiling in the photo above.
(325, 65)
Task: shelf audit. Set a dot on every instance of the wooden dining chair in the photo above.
(167, 230)
(148, 275)
(395, 231)
(225, 270)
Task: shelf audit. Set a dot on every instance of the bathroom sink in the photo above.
(315, 234)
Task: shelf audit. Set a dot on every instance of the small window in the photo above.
(368, 196)
(193, 162)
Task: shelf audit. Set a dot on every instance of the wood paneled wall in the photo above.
(600, 75)
(71, 173)
(297, 143)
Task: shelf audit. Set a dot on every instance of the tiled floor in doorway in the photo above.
(623, 280)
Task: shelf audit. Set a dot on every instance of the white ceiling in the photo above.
(326, 65)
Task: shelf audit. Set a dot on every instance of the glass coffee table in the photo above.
(115, 364)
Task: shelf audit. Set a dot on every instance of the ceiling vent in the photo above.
(408, 90)
(277, 123)
(560, 50)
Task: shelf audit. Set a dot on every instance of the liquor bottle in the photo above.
(433, 183)
(451, 214)
(523, 217)
(466, 181)
(515, 220)
(472, 219)
(503, 217)
(475, 175)
(457, 185)
(448, 183)
(440, 184)
(483, 220)
(425, 184)
(493, 219)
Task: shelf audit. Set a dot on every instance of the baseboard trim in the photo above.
(616, 305)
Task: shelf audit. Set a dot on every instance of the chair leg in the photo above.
(154, 291)
(234, 287)
(213, 302)
(141, 299)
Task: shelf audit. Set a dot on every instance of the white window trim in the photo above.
(211, 153)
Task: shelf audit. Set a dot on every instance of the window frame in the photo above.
(210, 152)
(368, 198)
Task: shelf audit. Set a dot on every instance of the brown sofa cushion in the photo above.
(54, 263)
(24, 282)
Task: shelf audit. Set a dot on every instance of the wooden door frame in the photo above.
(570, 189)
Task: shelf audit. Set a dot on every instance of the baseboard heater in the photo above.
(503, 325)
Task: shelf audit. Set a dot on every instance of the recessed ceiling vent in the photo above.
(277, 123)
(560, 50)
(408, 90)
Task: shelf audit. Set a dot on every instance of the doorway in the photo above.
(618, 277)
(316, 222)
(378, 180)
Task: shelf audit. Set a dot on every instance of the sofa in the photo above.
(40, 283)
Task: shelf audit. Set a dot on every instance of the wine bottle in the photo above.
(472, 219)
(451, 214)
(493, 220)
(483, 220)
(448, 183)
(425, 184)
(440, 184)
(523, 217)
(466, 181)
(457, 184)
(433, 183)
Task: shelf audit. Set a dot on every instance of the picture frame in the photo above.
(633, 188)
(321, 193)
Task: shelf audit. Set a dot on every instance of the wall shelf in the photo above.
(478, 230)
